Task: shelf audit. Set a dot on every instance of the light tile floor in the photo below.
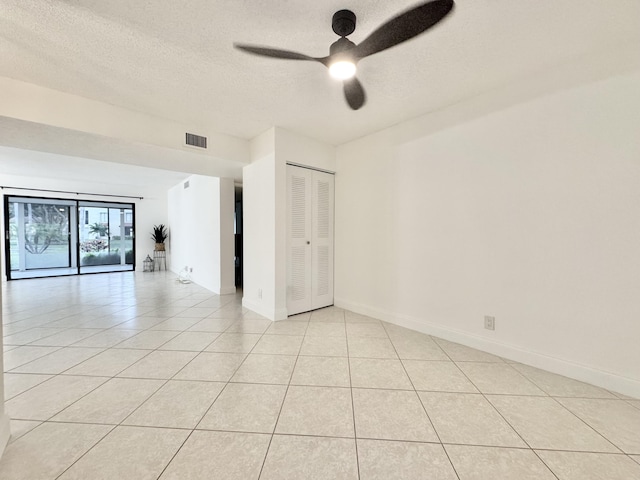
(137, 376)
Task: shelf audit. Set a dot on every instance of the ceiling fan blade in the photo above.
(404, 27)
(274, 53)
(354, 93)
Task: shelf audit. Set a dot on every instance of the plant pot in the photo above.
(159, 247)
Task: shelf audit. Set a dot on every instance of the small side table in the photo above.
(159, 259)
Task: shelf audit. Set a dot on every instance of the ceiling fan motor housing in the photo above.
(343, 22)
(341, 45)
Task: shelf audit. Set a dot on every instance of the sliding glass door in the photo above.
(52, 237)
(106, 236)
(39, 237)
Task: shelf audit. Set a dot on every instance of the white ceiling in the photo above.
(174, 59)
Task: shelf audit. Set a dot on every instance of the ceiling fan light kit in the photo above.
(344, 54)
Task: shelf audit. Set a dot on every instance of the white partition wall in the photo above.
(201, 211)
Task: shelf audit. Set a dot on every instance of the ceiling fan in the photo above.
(344, 54)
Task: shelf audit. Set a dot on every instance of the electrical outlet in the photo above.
(489, 322)
(260, 293)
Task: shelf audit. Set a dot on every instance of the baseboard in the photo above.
(600, 378)
(5, 433)
(270, 313)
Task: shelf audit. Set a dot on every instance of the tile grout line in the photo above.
(284, 399)
(353, 407)
(455, 471)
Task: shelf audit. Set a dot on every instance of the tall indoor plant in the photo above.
(159, 235)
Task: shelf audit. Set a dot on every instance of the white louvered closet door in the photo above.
(322, 240)
(309, 239)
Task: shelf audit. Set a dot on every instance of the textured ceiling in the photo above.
(174, 59)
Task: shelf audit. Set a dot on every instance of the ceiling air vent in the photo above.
(195, 140)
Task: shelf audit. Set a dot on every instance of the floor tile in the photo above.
(249, 326)
(544, 423)
(320, 329)
(300, 317)
(327, 315)
(396, 331)
(324, 346)
(66, 337)
(378, 373)
(23, 355)
(325, 411)
(190, 341)
(148, 340)
(310, 458)
(106, 338)
(590, 466)
(391, 415)
(461, 353)
(159, 365)
(483, 463)
(111, 402)
(234, 343)
(559, 386)
(468, 419)
(129, 452)
(178, 324)
(178, 404)
(233, 313)
(498, 378)
(370, 347)
(31, 335)
(243, 407)
(16, 383)
(197, 312)
(366, 330)
(141, 323)
(21, 427)
(287, 327)
(436, 376)
(166, 311)
(386, 460)
(215, 325)
(219, 455)
(108, 363)
(273, 369)
(279, 344)
(46, 451)
(321, 371)
(58, 361)
(352, 317)
(616, 420)
(418, 348)
(212, 367)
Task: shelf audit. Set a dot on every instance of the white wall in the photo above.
(530, 214)
(261, 291)
(201, 231)
(264, 208)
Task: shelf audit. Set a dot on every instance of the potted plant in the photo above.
(159, 235)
